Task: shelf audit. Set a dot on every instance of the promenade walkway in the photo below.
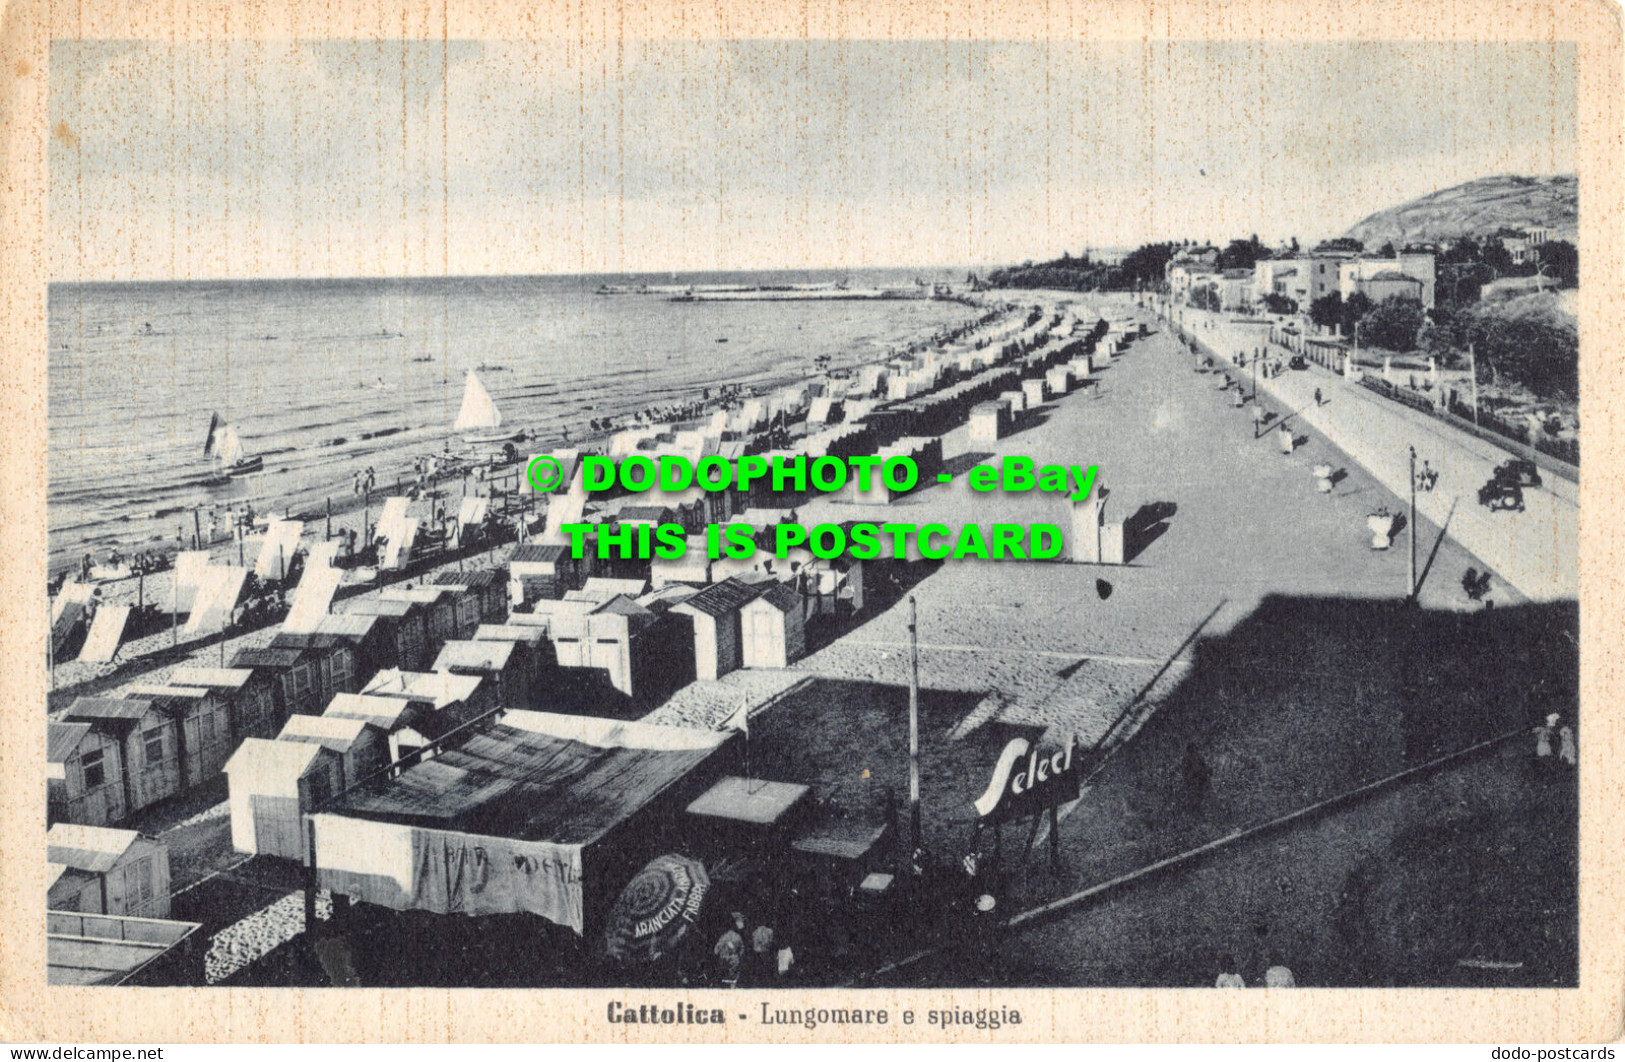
(1537, 551)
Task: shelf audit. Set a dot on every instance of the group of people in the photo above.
(752, 955)
(1276, 976)
(1566, 752)
(365, 481)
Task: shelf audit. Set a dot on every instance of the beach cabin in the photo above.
(439, 611)
(362, 746)
(713, 620)
(834, 586)
(370, 639)
(488, 587)
(84, 774)
(1034, 390)
(306, 675)
(544, 571)
(101, 871)
(406, 630)
(455, 699)
(1058, 381)
(989, 422)
(772, 627)
(203, 723)
(465, 606)
(1016, 400)
(693, 567)
(408, 725)
(250, 698)
(272, 785)
(148, 744)
(624, 639)
(507, 667)
(601, 589)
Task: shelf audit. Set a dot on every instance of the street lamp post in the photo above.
(913, 725)
(1412, 592)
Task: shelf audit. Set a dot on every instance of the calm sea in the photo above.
(323, 378)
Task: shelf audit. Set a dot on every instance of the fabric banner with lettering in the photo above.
(406, 867)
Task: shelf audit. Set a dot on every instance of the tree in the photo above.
(1206, 297)
(1355, 307)
(1279, 304)
(1294, 245)
(1528, 340)
(1242, 254)
(1145, 265)
(1327, 311)
(1495, 255)
(1341, 243)
(1560, 260)
(1388, 250)
(1393, 323)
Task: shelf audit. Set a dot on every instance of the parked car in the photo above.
(1297, 362)
(1519, 471)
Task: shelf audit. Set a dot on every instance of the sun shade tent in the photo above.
(321, 555)
(552, 804)
(218, 592)
(277, 548)
(189, 568)
(312, 598)
(106, 634)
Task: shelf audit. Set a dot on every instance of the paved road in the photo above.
(1537, 550)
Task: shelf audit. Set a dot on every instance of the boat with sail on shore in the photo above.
(226, 448)
(480, 420)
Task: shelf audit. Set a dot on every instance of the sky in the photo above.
(241, 159)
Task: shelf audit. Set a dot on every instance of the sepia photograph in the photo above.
(705, 518)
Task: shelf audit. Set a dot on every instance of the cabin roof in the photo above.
(486, 655)
(62, 738)
(277, 657)
(93, 849)
(719, 599)
(538, 553)
(119, 715)
(220, 678)
(483, 579)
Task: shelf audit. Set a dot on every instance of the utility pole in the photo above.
(1412, 593)
(913, 725)
(1472, 369)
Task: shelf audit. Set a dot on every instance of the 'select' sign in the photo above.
(1027, 779)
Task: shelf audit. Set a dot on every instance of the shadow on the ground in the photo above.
(1145, 526)
(885, 583)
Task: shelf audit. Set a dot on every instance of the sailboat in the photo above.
(227, 450)
(480, 419)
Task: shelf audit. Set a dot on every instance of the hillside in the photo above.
(1478, 208)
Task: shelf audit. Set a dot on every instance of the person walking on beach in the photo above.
(1317, 397)
(357, 483)
(1543, 739)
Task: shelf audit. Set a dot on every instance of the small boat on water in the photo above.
(480, 420)
(230, 459)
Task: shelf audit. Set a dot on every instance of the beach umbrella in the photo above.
(656, 909)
